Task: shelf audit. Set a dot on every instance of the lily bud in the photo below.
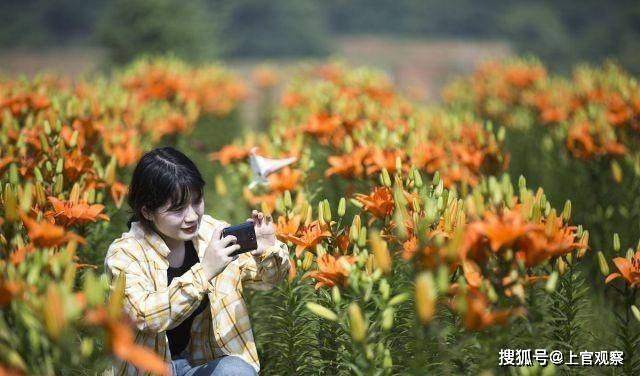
(322, 311)
(356, 203)
(380, 252)
(635, 311)
(60, 166)
(386, 180)
(74, 196)
(616, 242)
(41, 197)
(385, 289)
(335, 295)
(307, 260)
(398, 299)
(616, 172)
(327, 211)
(602, 264)
(116, 299)
(54, 315)
(356, 320)
(387, 318)
(387, 362)
(426, 295)
(74, 139)
(220, 186)
(398, 164)
(561, 266)
(552, 282)
(436, 178)
(13, 174)
(566, 211)
(287, 199)
(321, 214)
(342, 207)
(38, 174)
(417, 178)
(362, 237)
(10, 204)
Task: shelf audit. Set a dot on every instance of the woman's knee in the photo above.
(233, 365)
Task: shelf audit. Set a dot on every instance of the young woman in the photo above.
(182, 287)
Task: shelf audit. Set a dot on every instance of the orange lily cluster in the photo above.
(598, 109)
(213, 90)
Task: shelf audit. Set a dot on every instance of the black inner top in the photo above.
(179, 336)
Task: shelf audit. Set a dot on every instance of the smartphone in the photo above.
(245, 235)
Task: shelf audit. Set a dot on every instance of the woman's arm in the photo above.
(265, 271)
(152, 307)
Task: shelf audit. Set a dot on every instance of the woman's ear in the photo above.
(146, 214)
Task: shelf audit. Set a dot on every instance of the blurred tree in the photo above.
(133, 27)
(267, 28)
(538, 29)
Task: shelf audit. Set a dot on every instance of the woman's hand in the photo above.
(217, 255)
(265, 231)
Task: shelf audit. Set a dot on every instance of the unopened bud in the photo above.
(602, 264)
(356, 203)
(356, 321)
(566, 211)
(335, 295)
(387, 318)
(616, 242)
(322, 311)
(385, 289)
(380, 252)
(386, 180)
(327, 211)
(425, 297)
(307, 260)
(342, 207)
(287, 199)
(552, 282)
(400, 298)
(417, 178)
(635, 311)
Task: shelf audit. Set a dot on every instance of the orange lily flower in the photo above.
(9, 290)
(503, 229)
(379, 203)
(76, 164)
(478, 316)
(322, 125)
(69, 213)
(121, 341)
(309, 236)
(629, 270)
(285, 179)
(379, 159)
(118, 192)
(45, 234)
(349, 165)
(330, 272)
(229, 153)
(287, 227)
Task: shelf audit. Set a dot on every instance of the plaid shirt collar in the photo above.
(159, 245)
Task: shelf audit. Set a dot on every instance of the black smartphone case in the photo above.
(246, 236)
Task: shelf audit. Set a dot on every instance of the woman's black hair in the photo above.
(163, 174)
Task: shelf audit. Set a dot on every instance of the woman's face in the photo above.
(179, 224)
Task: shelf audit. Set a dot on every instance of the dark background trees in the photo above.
(561, 32)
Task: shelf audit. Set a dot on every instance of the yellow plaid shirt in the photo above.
(224, 329)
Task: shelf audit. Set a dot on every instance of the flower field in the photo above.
(424, 238)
